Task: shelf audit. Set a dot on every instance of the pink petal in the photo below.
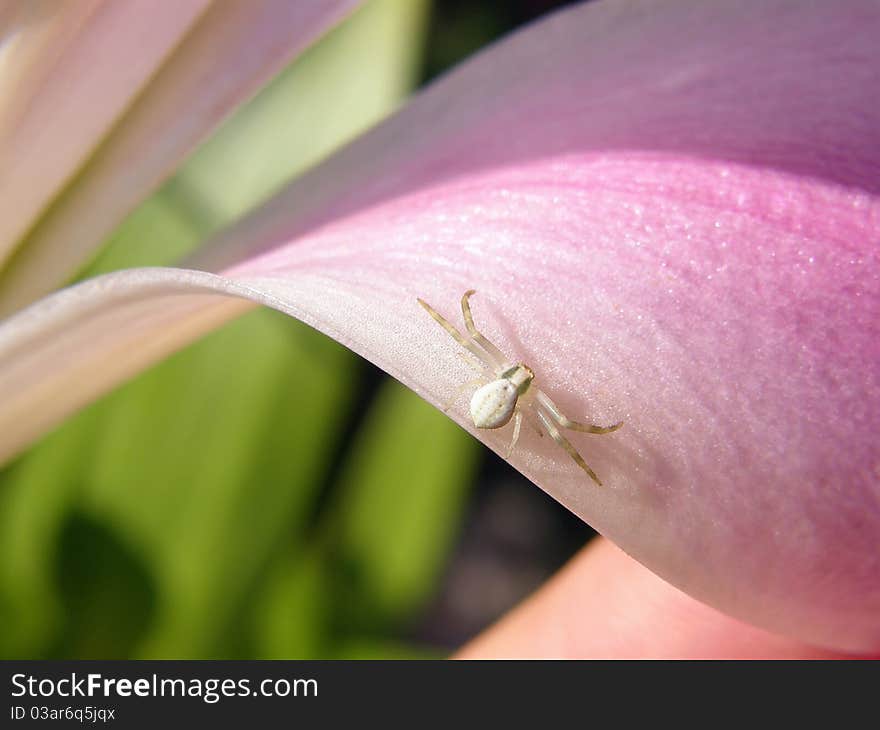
(668, 212)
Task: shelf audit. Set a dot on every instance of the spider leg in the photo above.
(465, 342)
(533, 422)
(494, 353)
(565, 422)
(468, 358)
(566, 444)
(517, 422)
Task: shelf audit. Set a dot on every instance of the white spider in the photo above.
(507, 391)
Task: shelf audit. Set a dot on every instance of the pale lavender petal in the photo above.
(67, 72)
(671, 212)
(235, 47)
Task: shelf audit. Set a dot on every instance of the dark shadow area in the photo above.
(459, 28)
(107, 596)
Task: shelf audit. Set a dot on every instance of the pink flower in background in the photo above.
(670, 211)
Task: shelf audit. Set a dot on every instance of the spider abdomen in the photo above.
(493, 405)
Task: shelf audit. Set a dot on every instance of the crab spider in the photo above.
(506, 391)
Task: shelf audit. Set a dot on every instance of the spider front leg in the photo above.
(566, 444)
(465, 342)
(468, 359)
(493, 352)
(566, 422)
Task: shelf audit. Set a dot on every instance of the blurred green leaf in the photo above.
(400, 501)
(36, 494)
(369, 648)
(160, 231)
(289, 620)
(208, 459)
(336, 90)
